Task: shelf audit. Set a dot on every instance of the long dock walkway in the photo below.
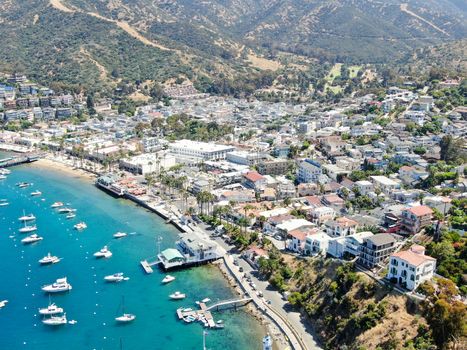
(233, 302)
(12, 161)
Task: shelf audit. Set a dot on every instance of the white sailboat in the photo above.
(125, 317)
(3, 303)
(25, 217)
(27, 228)
(32, 239)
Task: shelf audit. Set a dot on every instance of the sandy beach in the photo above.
(50, 164)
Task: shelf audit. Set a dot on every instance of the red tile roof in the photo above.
(412, 258)
(253, 176)
(346, 222)
(420, 210)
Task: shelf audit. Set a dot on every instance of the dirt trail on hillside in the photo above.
(405, 8)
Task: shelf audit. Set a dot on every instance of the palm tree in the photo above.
(246, 209)
(149, 177)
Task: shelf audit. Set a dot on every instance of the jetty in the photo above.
(204, 313)
(12, 161)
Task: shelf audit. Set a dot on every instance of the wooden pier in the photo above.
(12, 161)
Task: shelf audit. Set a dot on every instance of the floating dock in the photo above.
(147, 266)
(204, 312)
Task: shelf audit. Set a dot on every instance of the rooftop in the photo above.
(420, 210)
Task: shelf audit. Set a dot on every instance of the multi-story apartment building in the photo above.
(375, 249)
(416, 218)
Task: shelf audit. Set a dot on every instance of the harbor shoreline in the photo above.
(268, 324)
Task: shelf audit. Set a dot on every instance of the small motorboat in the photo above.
(28, 228)
(177, 296)
(80, 226)
(103, 253)
(219, 325)
(36, 193)
(72, 322)
(23, 184)
(71, 216)
(57, 205)
(49, 259)
(60, 285)
(25, 217)
(4, 203)
(4, 171)
(168, 279)
(116, 277)
(2, 177)
(3, 303)
(66, 210)
(52, 309)
(55, 320)
(31, 239)
(120, 235)
(206, 300)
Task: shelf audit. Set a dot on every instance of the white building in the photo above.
(242, 157)
(194, 152)
(147, 163)
(411, 267)
(309, 171)
(364, 187)
(385, 184)
(317, 243)
(320, 215)
(347, 245)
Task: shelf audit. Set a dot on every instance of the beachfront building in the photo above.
(376, 249)
(411, 267)
(147, 163)
(416, 218)
(190, 251)
(187, 151)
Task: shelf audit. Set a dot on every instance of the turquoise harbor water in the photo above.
(93, 303)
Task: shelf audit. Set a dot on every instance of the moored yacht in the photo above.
(60, 285)
(57, 205)
(4, 202)
(36, 193)
(66, 210)
(168, 279)
(120, 235)
(103, 253)
(71, 216)
(52, 309)
(23, 184)
(25, 217)
(31, 239)
(2, 177)
(125, 318)
(177, 296)
(49, 259)
(116, 277)
(55, 320)
(4, 171)
(28, 228)
(80, 226)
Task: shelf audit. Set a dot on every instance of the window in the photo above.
(412, 278)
